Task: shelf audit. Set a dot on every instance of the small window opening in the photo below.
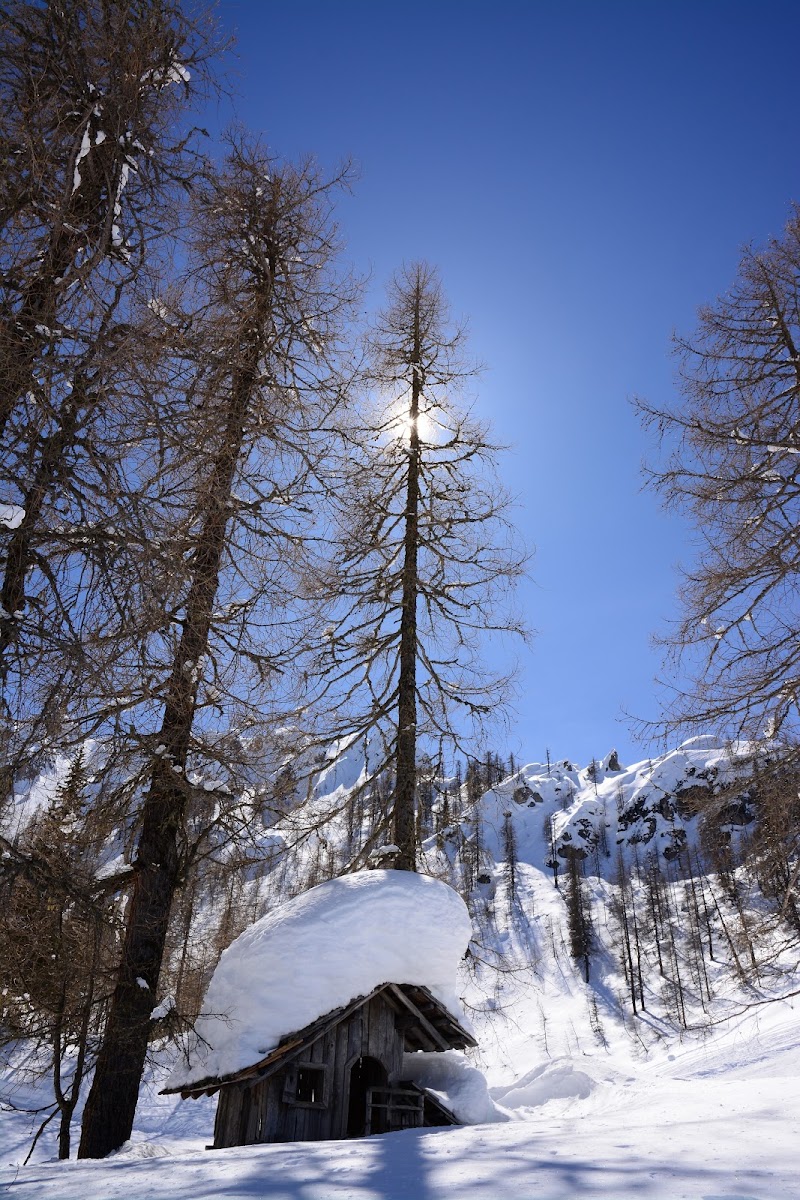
(310, 1085)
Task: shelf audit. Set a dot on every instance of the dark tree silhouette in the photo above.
(268, 310)
(90, 95)
(733, 466)
(425, 555)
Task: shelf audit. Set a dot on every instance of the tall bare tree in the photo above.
(91, 96)
(425, 556)
(733, 466)
(259, 385)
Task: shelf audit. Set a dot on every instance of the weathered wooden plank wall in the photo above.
(259, 1113)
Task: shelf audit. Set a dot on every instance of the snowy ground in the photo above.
(592, 1101)
(712, 1119)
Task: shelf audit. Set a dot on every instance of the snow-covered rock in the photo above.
(338, 941)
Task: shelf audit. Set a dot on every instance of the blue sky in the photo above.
(584, 176)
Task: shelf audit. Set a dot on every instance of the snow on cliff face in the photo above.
(315, 953)
(558, 810)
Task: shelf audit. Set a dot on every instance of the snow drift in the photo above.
(338, 941)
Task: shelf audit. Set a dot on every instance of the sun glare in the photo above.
(425, 427)
(400, 424)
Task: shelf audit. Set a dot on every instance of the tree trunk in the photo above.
(18, 554)
(406, 774)
(111, 1104)
(23, 336)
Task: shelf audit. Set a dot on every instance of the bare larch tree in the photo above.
(260, 385)
(733, 467)
(91, 92)
(425, 556)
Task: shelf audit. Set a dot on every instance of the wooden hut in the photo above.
(341, 1076)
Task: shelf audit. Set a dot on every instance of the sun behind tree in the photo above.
(425, 556)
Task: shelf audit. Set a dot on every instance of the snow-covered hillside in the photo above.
(713, 1118)
(624, 982)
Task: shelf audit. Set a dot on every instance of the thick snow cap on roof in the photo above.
(315, 953)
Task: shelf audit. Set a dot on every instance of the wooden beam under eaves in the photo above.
(430, 1030)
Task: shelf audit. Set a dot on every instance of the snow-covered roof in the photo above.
(319, 951)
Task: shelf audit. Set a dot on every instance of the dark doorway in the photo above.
(364, 1074)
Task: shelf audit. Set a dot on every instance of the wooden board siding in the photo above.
(256, 1111)
(424, 1022)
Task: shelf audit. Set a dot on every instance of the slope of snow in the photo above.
(584, 1098)
(313, 954)
(712, 1119)
(350, 762)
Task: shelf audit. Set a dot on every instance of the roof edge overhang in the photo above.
(442, 1029)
